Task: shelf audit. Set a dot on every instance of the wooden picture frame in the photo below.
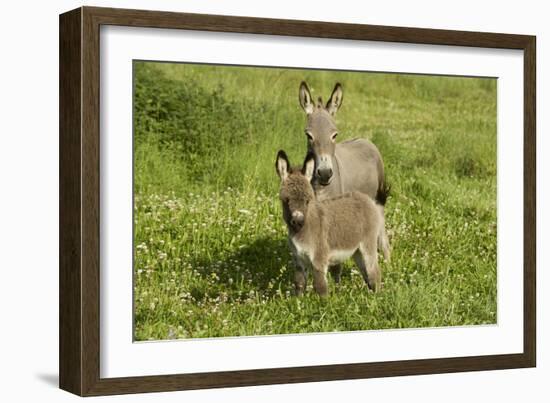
(79, 347)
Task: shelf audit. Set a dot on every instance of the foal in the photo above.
(325, 233)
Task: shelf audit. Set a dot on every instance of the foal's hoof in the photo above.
(323, 294)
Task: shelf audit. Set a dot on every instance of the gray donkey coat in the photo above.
(352, 165)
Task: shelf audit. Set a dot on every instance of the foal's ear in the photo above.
(282, 165)
(309, 166)
(305, 98)
(336, 99)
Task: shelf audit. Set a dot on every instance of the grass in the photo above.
(211, 256)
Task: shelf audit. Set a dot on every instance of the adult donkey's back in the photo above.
(352, 165)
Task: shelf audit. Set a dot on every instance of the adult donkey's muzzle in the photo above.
(324, 175)
(324, 169)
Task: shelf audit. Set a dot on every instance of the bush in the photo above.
(185, 119)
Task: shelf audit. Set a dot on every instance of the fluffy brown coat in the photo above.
(325, 233)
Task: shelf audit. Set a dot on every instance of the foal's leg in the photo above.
(366, 258)
(320, 280)
(336, 271)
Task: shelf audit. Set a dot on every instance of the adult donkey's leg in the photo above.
(336, 272)
(300, 278)
(366, 259)
(383, 241)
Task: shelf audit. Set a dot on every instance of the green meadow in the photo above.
(210, 250)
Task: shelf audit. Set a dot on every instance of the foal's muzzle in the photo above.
(297, 220)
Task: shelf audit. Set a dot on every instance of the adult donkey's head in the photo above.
(321, 130)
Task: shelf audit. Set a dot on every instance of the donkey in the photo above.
(352, 165)
(323, 233)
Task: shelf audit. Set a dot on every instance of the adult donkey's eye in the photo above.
(309, 136)
(333, 137)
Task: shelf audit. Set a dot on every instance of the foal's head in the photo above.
(296, 192)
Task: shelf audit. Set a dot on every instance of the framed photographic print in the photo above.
(249, 201)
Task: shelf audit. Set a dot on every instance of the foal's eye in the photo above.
(334, 136)
(309, 136)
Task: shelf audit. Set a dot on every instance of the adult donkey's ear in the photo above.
(282, 165)
(305, 98)
(336, 99)
(309, 166)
